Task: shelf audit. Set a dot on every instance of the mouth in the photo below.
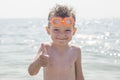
(62, 40)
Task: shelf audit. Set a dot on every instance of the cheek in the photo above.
(53, 35)
(69, 33)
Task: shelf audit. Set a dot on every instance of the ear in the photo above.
(48, 29)
(75, 29)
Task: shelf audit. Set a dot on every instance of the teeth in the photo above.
(62, 39)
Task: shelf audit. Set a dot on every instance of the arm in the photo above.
(78, 66)
(41, 60)
(35, 65)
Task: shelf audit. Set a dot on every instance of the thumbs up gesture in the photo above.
(44, 57)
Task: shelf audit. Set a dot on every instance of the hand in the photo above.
(44, 57)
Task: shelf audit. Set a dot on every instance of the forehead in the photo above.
(61, 27)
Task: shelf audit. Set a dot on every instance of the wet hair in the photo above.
(61, 11)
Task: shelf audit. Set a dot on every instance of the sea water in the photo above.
(99, 40)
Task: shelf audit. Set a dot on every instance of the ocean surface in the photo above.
(99, 40)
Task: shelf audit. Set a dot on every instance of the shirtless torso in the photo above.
(61, 65)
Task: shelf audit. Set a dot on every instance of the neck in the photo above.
(60, 47)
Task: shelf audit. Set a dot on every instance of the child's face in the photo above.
(61, 35)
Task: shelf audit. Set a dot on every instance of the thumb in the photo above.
(44, 50)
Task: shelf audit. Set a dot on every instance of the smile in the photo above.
(62, 39)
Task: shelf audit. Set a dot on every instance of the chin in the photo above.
(62, 43)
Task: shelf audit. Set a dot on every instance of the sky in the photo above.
(41, 8)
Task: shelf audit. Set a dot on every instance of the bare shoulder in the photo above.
(76, 49)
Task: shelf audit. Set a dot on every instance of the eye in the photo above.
(56, 29)
(67, 30)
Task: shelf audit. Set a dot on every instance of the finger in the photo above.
(44, 49)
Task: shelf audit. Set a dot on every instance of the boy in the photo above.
(61, 61)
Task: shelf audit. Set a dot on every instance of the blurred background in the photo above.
(22, 29)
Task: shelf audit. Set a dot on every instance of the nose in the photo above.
(62, 34)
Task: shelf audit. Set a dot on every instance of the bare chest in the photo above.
(61, 66)
(64, 61)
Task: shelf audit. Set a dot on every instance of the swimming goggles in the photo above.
(58, 21)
